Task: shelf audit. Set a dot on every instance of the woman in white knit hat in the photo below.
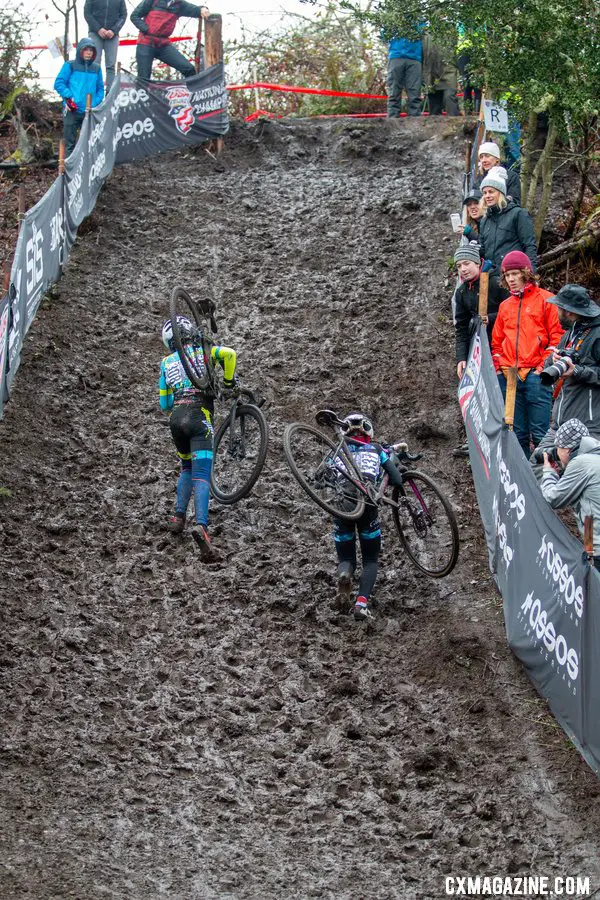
(504, 226)
(489, 158)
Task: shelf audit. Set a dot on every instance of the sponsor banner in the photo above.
(155, 116)
(37, 264)
(551, 595)
(92, 160)
(4, 318)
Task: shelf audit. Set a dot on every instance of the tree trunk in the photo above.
(545, 164)
(527, 153)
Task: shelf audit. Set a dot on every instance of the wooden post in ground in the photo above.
(511, 397)
(198, 57)
(213, 53)
(484, 285)
(61, 157)
(588, 538)
(88, 103)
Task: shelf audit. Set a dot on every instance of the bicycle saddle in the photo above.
(328, 417)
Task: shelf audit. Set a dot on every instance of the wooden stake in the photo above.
(88, 103)
(511, 397)
(484, 284)
(61, 158)
(588, 538)
(213, 54)
(198, 58)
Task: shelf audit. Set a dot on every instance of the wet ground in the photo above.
(172, 729)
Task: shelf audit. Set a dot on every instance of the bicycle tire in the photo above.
(181, 304)
(429, 534)
(306, 451)
(227, 459)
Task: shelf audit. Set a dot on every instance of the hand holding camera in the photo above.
(563, 365)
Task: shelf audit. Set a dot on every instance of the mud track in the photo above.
(176, 730)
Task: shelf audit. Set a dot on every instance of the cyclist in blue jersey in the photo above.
(191, 414)
(372, 460)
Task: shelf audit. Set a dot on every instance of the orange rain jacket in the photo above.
(526, 330)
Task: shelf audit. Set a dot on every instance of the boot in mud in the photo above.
(200, 535)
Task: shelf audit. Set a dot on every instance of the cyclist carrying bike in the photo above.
(191, 413)
(372, 460)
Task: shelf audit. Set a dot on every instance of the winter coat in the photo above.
(77, 79)
(503, 230)
(526, 328)
(466, 310)
(513, 183)
(579, 395)
(439, 66)
(156, 19)
(109, 14)
(401, 48)
(578, 487)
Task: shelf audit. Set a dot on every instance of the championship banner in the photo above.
(551, 595)
(92, 160)
(155, 116)
(37, 264)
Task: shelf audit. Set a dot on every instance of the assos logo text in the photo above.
(572, 593)
(511, 489)
(133, 129)
(97, 168)
(544, 629)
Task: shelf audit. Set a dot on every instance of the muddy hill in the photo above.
(172, 729)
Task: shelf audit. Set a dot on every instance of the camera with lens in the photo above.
(538, 455)
(558, 369)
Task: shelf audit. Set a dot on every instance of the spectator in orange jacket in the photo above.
(526, 331)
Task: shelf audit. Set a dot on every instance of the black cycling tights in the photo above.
(369, 536)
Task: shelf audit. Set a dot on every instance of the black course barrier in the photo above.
(551, 594)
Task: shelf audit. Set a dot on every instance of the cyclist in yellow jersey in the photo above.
(191, 414)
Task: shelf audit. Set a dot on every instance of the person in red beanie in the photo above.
(526, 331)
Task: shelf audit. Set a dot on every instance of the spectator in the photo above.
(156, 20)
(578, 484)
(527, 329)
(440, 77)
(466, 309)
(471, 93)
(504, 226)
(472, 202)
(489, 158)
(578, 394)
(105, 19)
(405, 59)
(76, 79)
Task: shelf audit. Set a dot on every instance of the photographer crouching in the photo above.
(574, 367)
(571, 476)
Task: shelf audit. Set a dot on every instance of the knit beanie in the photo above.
(516, 259)
(469, 252)
(491, 148)
(495, 180)
(569, 434)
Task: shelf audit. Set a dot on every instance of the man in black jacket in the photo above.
(156, 20)
(105, 19)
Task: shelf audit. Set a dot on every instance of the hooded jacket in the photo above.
(526, 328)
(579, 395)
(579, 486)
(467, 308)
(77, 78)
(109, 14)
(503, 230)
(156, 19)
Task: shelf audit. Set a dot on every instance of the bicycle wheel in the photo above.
(200, 374)
(426, 524)
(324, 472)
(239, 454)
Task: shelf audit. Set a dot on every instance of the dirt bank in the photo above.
(176, 730)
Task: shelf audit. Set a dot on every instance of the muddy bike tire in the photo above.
(237, 464)
(181, 304)
(308, 453)
(426, 524)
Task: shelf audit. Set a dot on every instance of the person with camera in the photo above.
(526, 331)
(573, 370)
(571, 476)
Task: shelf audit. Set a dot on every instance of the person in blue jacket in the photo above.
(405, 70)
(78, 78)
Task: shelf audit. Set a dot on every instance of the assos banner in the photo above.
(547, 586)
(37, 264)
(92, 160)
(155, 116)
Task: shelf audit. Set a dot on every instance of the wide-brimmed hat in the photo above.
(575, 299)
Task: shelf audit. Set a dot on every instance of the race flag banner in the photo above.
(551, 594)
(37, 264)
(155, 116)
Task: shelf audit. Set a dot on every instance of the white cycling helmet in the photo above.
(185, 327)
(357, 421)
